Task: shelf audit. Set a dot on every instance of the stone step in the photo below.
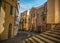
(57, 31)
(23, 41)
(57, 27)
(38, 40)
(54, 32)
(27, 41)
(50, 38)
(52, 35)
(32, 40)
(46, 37)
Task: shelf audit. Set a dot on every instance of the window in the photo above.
(29, 19)
(11, 9)
(37, 15)
(10, 26)
(0, 3)
(33, 15)
(12, 0)
(44, 17)
(4, 5)
(25, 21)
(9, 30)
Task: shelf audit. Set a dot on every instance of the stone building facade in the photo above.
(2, 16)
(53, 14)
(24, 20)
(33, 18)
(36, 20)
(42, 17)
(8, 8)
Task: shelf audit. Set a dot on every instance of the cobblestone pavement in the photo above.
(20, 36)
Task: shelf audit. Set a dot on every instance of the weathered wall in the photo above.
(51, 11)
(53, 16)
(2, 16)
(8, 18)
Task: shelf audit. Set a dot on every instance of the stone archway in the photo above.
(9, 30)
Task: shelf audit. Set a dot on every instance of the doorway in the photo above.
(39, 29)
(9, 30)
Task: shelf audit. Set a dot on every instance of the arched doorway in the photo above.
(9, 30)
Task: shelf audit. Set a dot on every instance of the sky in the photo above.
(28, 4)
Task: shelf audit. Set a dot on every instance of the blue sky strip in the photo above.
(28, 4)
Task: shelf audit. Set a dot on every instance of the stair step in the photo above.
(27, 41)
(38, 40)
(57, 30)
(50, 38)
(32, 40)
(57, 33)
(52, 35)
(45, 39)
(24, 41)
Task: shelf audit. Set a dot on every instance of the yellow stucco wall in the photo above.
(57, 15)
(53, 16)
(25, 17)
(8, 18)
(53, 11)
(2, 16)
